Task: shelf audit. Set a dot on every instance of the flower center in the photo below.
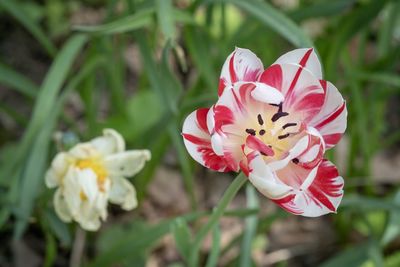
(97, 166)
(274, 132)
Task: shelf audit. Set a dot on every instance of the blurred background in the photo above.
(68, 69)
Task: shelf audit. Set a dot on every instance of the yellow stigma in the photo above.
(97, 166)
(83, 196)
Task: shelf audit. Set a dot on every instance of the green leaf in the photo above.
(351, 257)
(17, 81)
(322, 9)
(182, 236)
(349, 26)
(134, 240)
(388, 28)
(392, 230)
(198, 45)
(212, 259)
(165, 18)
(361, 204)
(251, 223)
(33, 150)
(126, 24)
(58, 227)
(143, 102)
(18, 12)
(380, 77)
(275, 20)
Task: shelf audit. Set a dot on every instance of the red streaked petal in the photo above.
(273, 76)
(222, 116)
(303, 92)
(320, 193)
(305, 57)
(314, 153)
(331, 120)
(256, 144)
(242, 65)
(197, 141)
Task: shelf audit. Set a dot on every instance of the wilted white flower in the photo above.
(91, 174)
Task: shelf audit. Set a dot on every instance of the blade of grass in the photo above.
(133, 241)
(13, 8)
(165, 18)
(197, 43)
(390, 79)
(387, 29)
(34, 166)
(321, 9)
(17, 81)
(350, 25)
(126, 24)
(182, 236)
(274, 19)
(212, 260)
(45, 100)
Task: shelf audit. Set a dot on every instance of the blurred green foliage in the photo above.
(181, 46)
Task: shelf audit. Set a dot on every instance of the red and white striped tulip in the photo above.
(275, 125)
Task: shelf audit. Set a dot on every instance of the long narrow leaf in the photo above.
(125, 24)
(12, 7)
(17, 81)
(274, 19)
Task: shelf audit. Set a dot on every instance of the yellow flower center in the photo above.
(97, 166)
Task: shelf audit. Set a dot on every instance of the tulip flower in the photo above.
(90, 175)
(275, 125)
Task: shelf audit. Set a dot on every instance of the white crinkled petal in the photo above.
(76, 183)
(61, 207)
(89, 217)
(111, 142)
(267, 94)
(57, 170)
(83, 151)
(87, 180)
(127, 163)
(123, 193)
(298, 148)
(52, 179)
(262, 177)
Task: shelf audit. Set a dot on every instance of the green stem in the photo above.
(217, 213)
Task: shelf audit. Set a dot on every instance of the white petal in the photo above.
(216, 144)
(87, 180)
(126, 163)
(265, 180)
(210, 120)
(307, 56)
(52, 179)
(267, 94)
(83, 151)
(111, 142)
(61, 207)
(57, 170)
(76, 183)
(88, 218)
(299, 148)
(123, 193)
